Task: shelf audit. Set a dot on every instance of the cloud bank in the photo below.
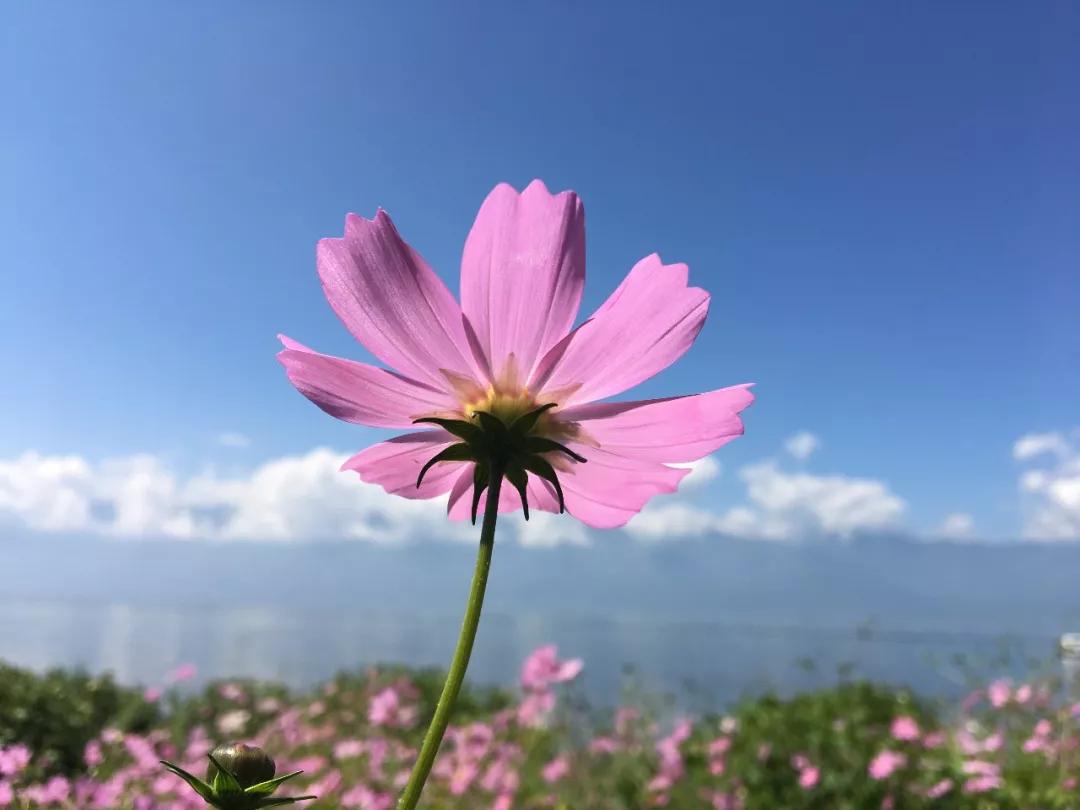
(1050, 485)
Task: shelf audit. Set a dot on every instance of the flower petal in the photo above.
(392, 302)
(675, 429)
(395, 464)
(646, 325)
(356, 392)
(610, 489)
(523, 271)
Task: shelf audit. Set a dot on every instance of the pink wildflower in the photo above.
(808, 777)
(534, 708)
(939, 789)
(982, 784)
(7, 793)
(386, 709)
(14, 759)
(184, 672)
(556, 769)
(152, 694)
(1023, 694)
(998, 693)
(603, 745)
(348, 749)
(934, 739)
(884, 764)
(543, 669)
(905, 729)
(510, 347)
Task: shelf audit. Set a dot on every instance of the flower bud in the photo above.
(248, 763)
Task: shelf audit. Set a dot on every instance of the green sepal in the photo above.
(492, 424)
(459, 427)
(455, 452)
(541, 467)
(205, 791)
(520, 479)
(277, 801)
(270, 785)
(541, 444)
(527, 421)
(225, 782)
(480, 482)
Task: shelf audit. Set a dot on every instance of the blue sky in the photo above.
(882, 200)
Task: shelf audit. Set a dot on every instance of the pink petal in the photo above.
(395, 464)
(392, 302)
(357, 392)
(646, 325)
(609, 489)
(522, 272)
(675, 429)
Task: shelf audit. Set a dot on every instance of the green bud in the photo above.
(248, 763)
(239, 777)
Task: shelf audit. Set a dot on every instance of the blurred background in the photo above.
(881, 199)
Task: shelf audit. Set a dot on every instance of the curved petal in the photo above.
(609, 489)
(675, 429)
(356, 392)
(646, 325)
(522, 272)
(392, 302)
(395, 464)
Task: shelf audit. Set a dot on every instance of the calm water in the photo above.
(706, 664)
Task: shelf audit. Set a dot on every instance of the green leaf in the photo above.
(455, 452)
(527, 421)
(541, 467)
(277, 801)
(539, 444)
(225, 782)
(520, 479)
(198, 785)
(459, 427)
(270, 785)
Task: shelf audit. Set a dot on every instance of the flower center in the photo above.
(507, 407)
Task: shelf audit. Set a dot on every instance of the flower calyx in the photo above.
(239, 777)
(499, 449)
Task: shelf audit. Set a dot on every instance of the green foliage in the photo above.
(55, 714)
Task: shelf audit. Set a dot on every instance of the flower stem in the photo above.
(460, 662)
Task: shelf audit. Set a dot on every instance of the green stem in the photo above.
(460, 662)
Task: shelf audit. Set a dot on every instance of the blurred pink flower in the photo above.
(184, 672)
(1023, 693)
(92, 755)
(510, 346)
(556, 769)
(998, 693)
(884, 764)
(905, 729)
(152, 694)
(604, 745)
(982, 784)
(7, 794)
(808, 777)
(935, 739)
(543, 668)
(348, 749)
(14, 759)
(386, 709)
(232, 691)
(535, 707)
(939, 789)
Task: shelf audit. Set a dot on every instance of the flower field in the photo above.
(71, 741)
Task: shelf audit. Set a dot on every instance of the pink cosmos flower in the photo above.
(884, 764)
(184, 672)
(808, 777)
(939, 789)
(543, 668)
(998, 693)
(556, 769)
(905, 729)
(509, 347)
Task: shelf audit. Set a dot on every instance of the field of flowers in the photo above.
(73, 741)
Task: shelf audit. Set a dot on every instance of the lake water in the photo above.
(705, 664)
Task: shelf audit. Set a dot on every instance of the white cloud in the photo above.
(291, 498)
(1051, 492)
(701, 471)
(802, 445)
(1037, 444)
(957, 526)
(781, 506)
(232, 439)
